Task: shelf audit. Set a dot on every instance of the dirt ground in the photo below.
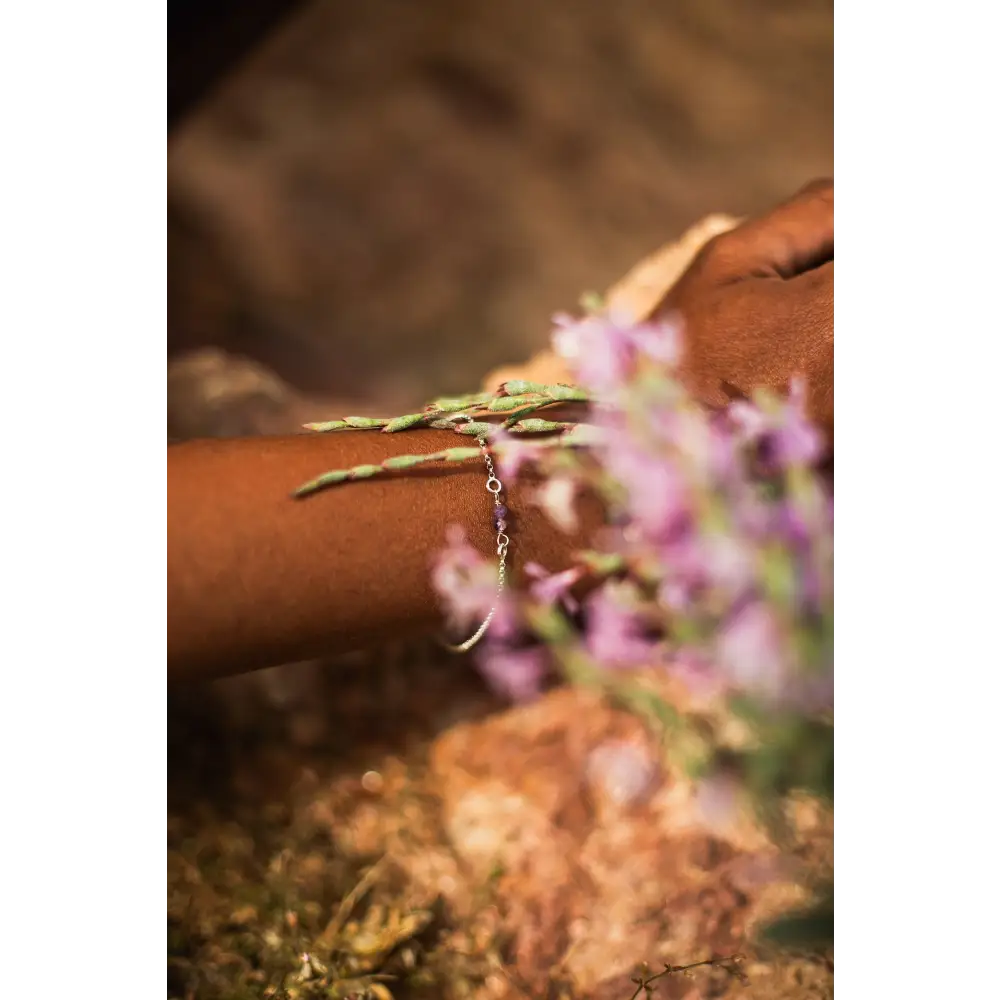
(382, 205)
(542, 851)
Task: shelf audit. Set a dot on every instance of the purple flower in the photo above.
(717, 800)
(553, 588)
(729, 565)
(803, 524)
(796, 439)
(792, 527)
(750, 510)
(615, 633)
(623, 771)
(660, 342)
(721, 513)
(515, 673)
(555, 496)
(512, 451)
(506, 624)
(603, 350)
(717, 560)
(748, 420)
(785, 436)
(675, 594)
(599, 350)
(810, 591)
(811, 694)
(752, 653)
(464, 580)
(698, 674)
(658, 496)
(807, 515)
(708, 450)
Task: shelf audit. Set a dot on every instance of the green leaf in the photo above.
(521, 387)
(365, 471)
(455, 404)
(582, 435)
(502, 403)
(685, 631)
(516, 418)
(747, 709)
(363, 422)
(327, 425)
(601, 563)
(766, 400)
(320, 482)
(549, 623)
(648, 704)
(778, 574)
(567, 393)
(401, 423)
(459, 454)
(403, 461)
(348, 423)
(535, 425)
(474, 428)
(810, 928)
(578, 668)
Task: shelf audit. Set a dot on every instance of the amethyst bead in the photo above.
(499, 513)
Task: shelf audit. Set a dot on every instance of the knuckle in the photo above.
(725, 255)
(715, 251)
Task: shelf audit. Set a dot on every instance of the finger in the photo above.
(789, 325)
(816, 359)
(789, 240)
(785, 328)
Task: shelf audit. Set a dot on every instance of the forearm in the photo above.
(256, 578)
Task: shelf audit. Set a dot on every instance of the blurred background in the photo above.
(372, 203)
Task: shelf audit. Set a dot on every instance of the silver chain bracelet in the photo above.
(494, 486)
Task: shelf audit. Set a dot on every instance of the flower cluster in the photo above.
(717, 567)
(714, 570)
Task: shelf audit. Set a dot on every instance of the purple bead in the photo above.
(499, 512)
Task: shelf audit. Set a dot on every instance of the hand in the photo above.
(756, 305)
(756, 300)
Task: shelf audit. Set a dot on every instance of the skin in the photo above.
(255, 578)
(757, 306)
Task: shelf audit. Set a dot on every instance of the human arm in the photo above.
(256, 578)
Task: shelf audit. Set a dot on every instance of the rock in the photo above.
(593, 839)
(406, 192)
(214, 394)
